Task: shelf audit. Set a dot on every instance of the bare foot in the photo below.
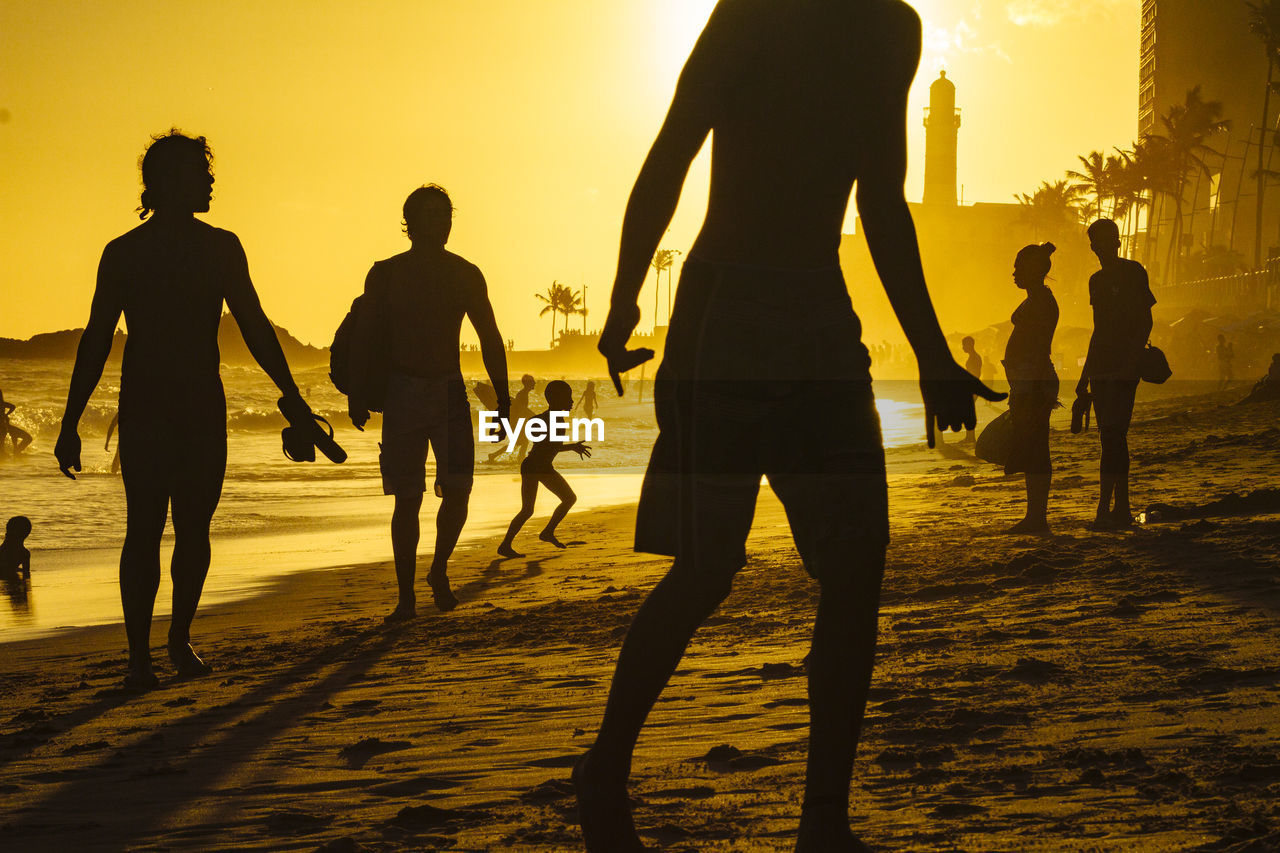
(140, 677)
(826, 830)
(186, 661)
(506, 550)
(403, 613)
(551, 537)
(441, 593)
(1035, 526)
(604, 812)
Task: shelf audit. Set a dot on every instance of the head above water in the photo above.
(428, 216)
(1032, 264)
(18, 528)
(558, 394)
(177, 175)
(1104, 239)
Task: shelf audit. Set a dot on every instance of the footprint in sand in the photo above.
(431, 817)
(359, 753)
(729, 759)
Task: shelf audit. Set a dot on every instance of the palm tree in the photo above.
(570, 303)
(1264, 22)
(1187, 126)
(1153, 170)
(1095, 180)
(553, 302)
(663, 259)
(1050, 209)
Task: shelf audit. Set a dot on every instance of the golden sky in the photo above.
(535, 114)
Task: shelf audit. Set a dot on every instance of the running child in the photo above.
(537, 468)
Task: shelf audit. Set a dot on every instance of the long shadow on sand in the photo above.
(191, 755)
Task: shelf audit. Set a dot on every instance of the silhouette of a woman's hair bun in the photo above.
(1038, 255)
(166, 156)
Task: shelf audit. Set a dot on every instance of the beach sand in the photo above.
(1086, 691)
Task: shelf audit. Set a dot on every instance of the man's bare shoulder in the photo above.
(463, 269)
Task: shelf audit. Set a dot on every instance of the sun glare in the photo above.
(677, 26)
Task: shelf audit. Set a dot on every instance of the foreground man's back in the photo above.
(800, 96)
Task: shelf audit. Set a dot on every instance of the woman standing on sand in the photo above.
(169, 278)
(1033, 383)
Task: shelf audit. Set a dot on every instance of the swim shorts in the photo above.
(425, 412)
(764, 375)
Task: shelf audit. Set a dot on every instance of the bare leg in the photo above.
(450, 519)
(1037, 517)
(558, 486)
(839, 669)
(528, 499)
(657, 640)
(405, 532)
(148, 509)
(192, 514)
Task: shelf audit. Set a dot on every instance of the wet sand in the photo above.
(1084, 691)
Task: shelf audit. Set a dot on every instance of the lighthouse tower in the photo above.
(942, 131)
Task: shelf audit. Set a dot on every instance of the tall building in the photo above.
(1207, 43)
(942, 134)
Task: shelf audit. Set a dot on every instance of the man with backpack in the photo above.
(404, 350)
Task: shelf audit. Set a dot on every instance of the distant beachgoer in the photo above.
(1226, 353)
(588, 400)
(973, 364)
(1120, 294)
(1267, 388)
(1033, 383)
(169, 278)
(802, 101)
(21, 438)
(420, 298)
(111, 428)
(15, 559)
(538, 468)
(519, 409)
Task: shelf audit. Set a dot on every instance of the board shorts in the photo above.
(764, 375)
(423, 412)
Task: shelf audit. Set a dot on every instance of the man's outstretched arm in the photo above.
(657, 189)
(947, 387)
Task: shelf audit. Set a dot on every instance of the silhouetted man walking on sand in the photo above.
(416, 303)
(805, 99)
(1121, 298)
(169, 277)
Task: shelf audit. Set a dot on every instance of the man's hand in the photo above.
(67, 451)
(619, 325)
(948, 391)
(583, 450)
(358, 413)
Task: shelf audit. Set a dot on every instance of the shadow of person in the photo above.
(169, 278)
(805, 100)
